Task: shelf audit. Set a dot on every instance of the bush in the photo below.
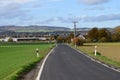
(60, 39)
(88, 40)
(99, 54)
(103, 39)
(78, 41)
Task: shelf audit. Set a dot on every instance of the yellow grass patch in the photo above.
(110, 50)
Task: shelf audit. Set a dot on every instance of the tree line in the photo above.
(103, 35)
(93, 35)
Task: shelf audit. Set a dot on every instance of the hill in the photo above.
(33, 28)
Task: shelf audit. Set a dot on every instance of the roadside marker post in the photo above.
(95, 50)
(37, 52)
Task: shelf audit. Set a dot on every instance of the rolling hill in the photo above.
(33, 28)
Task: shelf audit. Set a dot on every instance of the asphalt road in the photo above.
(65, 63)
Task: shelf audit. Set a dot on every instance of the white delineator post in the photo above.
(37, 52)
(95, 50)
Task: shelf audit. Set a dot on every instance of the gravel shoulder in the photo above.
(33, 73)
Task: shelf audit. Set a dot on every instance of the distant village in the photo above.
(63, 35)
(10, 36)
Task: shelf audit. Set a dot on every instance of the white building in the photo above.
(5, 39)
(23, 39)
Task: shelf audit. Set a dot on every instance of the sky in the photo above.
(61, 13)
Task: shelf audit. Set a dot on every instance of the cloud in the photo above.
(59, 20)
(101, 18)
(53, 0)
(52, 20)
(20, 8)
(7, 2)
(96, 8)
(11, 11)
(98, 18)
(82, 19)
(93, 2)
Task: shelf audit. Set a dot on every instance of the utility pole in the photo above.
(75, 30)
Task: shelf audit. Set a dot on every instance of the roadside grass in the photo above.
(110, 52)
(18, 58)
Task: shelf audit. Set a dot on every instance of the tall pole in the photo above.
(75, 30)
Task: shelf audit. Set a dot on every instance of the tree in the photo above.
(117, 29)
(115, 37)
(10, 39)
(78, 41)
(116, 34)
(56, 36)
(60, 39)
(103, 39)
(103, 35)
(71, 35)
(68, 39)
(93, 34)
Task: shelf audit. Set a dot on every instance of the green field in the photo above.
(16, 56)
(110, 52)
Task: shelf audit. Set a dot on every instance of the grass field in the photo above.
(110, 51)
(15, 56)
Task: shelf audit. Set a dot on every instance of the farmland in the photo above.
(15, 56)
(109, 50)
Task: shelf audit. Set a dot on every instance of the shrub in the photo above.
(99, 54)
(103, 39)
(78, 41)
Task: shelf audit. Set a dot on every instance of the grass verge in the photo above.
(16, 59)
(25, 69)
(101, 58)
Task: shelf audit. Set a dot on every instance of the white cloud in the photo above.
(52, 20)
(85, 18)
(11, 11)
(6, 2)
(96, 8)
(100, 18)
(15, 8)
(57, 0)
(93, 2)
(12, 8)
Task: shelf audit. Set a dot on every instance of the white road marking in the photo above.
(42, 66)
(118, 70)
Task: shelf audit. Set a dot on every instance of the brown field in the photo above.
(110, 50)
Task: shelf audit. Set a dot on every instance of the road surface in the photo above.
(65, 63)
